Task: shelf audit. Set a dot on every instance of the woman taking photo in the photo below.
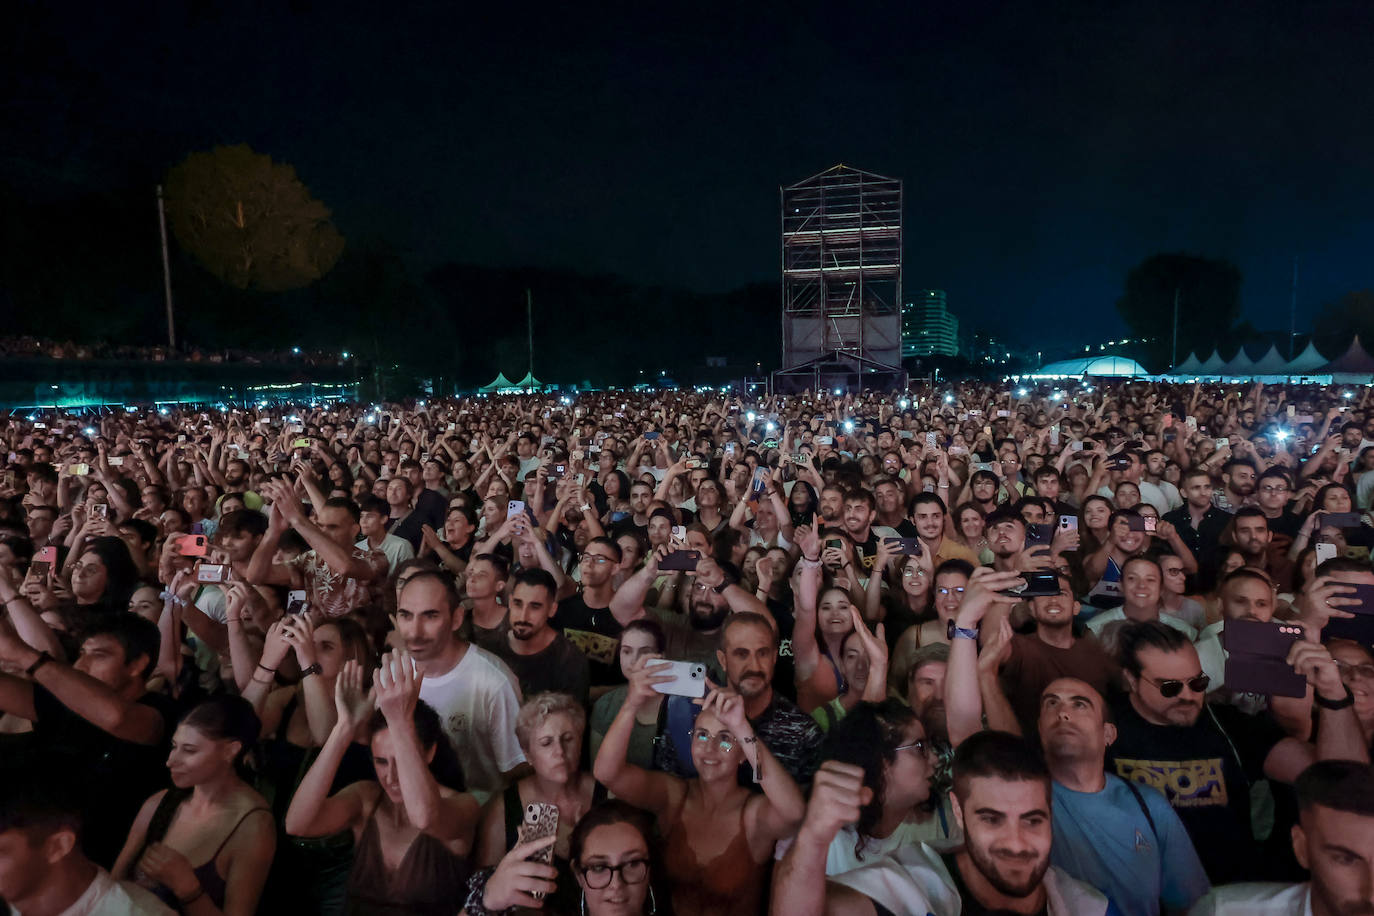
(210, 816)
(411, 834)
(549, 729)
(612, 857)
(641, 639)
(718, 835)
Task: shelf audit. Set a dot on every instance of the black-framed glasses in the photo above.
(1171, 688)
(597, 876)
(946, 590)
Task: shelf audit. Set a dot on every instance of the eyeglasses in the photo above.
(725, 741)
(1169, 689)
(1273, 489)
(598, 876)
(920, 746)
(946, 590)
(1363, 672)
(596, 559)
(908, 573)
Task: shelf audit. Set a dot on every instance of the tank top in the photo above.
(428, 880)
(731, 884)
(207, 874)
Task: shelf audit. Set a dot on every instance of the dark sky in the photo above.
(1046, 147)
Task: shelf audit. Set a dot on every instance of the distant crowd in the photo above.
(976, 649)
(29, 347)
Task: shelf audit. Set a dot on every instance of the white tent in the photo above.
(1105, 366)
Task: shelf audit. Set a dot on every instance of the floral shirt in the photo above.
(330, 592)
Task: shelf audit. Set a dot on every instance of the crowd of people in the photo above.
(30, 347)
(971, 649)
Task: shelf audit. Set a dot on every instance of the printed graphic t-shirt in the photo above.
(1205, 771)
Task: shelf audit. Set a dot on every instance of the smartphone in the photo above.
(1068, 523)
(652, 434)
(1292, 409)
(1076, 446)
(910, 547)
(540, 822)
(210, 573)
(1223, 442)
(1364, 593)
(1151, 523)
(680, 561)
(558, 472)
(40, 426)
(1339, 520)
(1054, 435)
(1036, 585)
(191, 545)
(1257, 655)
(42, 570)
(1119, 463)
(296, 601)
(1325, 552)
(79, 470)
(100, 510)
(1039, 534)
(729, 448)
(680, 533)
(695, 464)
(515, 507)
(115, 461)
(931, 440)
(46, 555)
(181, 440)
(689, 678)
(836, 543)
(824, 440)
(1191, 423)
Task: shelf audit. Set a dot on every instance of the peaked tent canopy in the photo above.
(1354, 360)
(1309, 361)
(1272, 363)
(500, 383)
(1189, 366)
(1211, 365)
(1114, 366)
(1240, 364)
(528, 382)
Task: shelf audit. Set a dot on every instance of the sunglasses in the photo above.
(1169, 689)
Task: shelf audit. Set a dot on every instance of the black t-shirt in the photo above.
(117, 776)
(971, 905)
(907, 528)
(1206, 771)
(595, 632)
(559, 667)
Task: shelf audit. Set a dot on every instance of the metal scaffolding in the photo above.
(842, 278)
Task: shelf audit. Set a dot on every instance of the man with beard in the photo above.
(1251, 533)
(887, 493)
(832, 506)
(1206, 758)
(860, 510)
(1125, 841)
(540, 657)
(928, 514)
(714, 596)
(1001, 799)
(1237, 485)
(1038, 658)
(925, 689)
(1198, 522)
(473, 691)
(1334, 839)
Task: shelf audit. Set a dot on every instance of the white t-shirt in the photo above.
(477, 703)
(396, 549)
(108, 897)
(212, 604)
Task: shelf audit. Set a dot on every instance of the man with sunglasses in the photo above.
(1206, 759)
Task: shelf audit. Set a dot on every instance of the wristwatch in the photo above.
(313, 669)
(953, 632)
(722, 587)
(1324, 703)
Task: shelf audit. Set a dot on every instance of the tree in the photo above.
(1337, 322)
(250, 221)
(1208, 303)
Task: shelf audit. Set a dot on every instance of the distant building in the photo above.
(928, 328)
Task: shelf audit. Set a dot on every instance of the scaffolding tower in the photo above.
(842, 281)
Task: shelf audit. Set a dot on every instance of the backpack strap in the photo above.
(1144, 808)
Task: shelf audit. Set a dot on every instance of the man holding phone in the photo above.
(1206, 758)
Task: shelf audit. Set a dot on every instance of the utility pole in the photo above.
(1173, 351)
(166, 270)
(529, 324)
(1293, 312)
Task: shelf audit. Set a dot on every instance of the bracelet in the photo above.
(1333, 705)
(44, 658)
(184, 902)
(265, 668)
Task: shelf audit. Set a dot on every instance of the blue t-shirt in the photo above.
(1103, 839)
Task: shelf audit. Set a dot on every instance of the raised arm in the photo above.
(313, 812)
(653, 791)
(963, 694)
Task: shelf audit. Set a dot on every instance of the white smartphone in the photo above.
(680, 533)
(295, 601)
(1068, 522)
(689, 678)
(1325, 552)
(515, 507)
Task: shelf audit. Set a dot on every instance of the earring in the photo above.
(583, 905)
(653, 904)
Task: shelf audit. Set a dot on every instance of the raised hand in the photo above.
(353, 704)
(397, 687)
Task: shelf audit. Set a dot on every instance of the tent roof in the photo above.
(1354, 360)
(1189, 365)
(1272, 363)
(1118, 366)
(1211, 365)
(497, 383)
(1240, 364)
(1309, 360)
(529, 381)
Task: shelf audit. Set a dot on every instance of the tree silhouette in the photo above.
(250, 221)
(1352, 314)
(1208, 296)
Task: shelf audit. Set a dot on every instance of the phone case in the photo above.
(540, 821)
(681, 561)
(1262, 675)
(1254, 637)
(689, 678)
(910, 547)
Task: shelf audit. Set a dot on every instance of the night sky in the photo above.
(1045, 147)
